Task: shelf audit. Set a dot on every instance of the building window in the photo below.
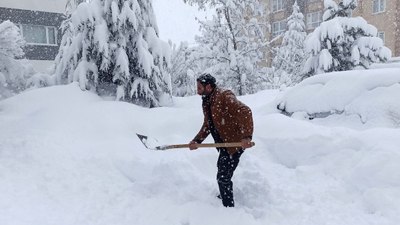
(381, 35)
(378, 6)
(39, 35)
(314, 19)
(277, 5)
(278, 27)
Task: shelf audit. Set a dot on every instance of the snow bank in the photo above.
(372, 95)
(69, 157)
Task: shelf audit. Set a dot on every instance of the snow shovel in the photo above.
(152, 144)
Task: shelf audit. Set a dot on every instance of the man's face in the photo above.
(204, 89)
(200, 88)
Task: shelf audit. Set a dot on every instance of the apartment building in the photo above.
(383, 14)
(39, 22)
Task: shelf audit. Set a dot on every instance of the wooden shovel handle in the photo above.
(209, 145)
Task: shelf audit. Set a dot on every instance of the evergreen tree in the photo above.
(342, 42)
(64, 63)
(115, 49)
(232, 43)
(290, 57)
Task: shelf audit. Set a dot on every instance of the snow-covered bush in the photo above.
(113, 48)
(342, 42)
(289, 59)
(13, 73)
(39, 80)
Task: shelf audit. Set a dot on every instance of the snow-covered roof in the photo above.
(56, 6)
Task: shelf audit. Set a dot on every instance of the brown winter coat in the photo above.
(232, 119)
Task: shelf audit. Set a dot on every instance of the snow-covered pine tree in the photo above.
(232, 43)
(115, 49)
(342, 42)
(13, 74)
(64, 64)
(289, 58)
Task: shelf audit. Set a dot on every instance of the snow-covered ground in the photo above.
(70, 157)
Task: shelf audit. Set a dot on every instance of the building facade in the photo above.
(39, 22)
(383, 14)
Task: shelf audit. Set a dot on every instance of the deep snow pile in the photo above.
(371, 95)
(70, 157)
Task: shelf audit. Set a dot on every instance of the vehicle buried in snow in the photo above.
(372, 95)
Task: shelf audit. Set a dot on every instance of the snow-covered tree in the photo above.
(13, 74)
(232, 43)
(115, 49)
(342, 42)
(289, 58)
(182, 70)
(65, 64)
(62, 67)
(11, 41)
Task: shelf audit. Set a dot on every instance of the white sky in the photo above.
(176, 20)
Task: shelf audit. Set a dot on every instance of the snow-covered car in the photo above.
(372, 95)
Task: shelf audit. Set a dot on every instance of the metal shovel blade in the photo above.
(150, 143)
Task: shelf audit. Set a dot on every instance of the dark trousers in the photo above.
(226, 166)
